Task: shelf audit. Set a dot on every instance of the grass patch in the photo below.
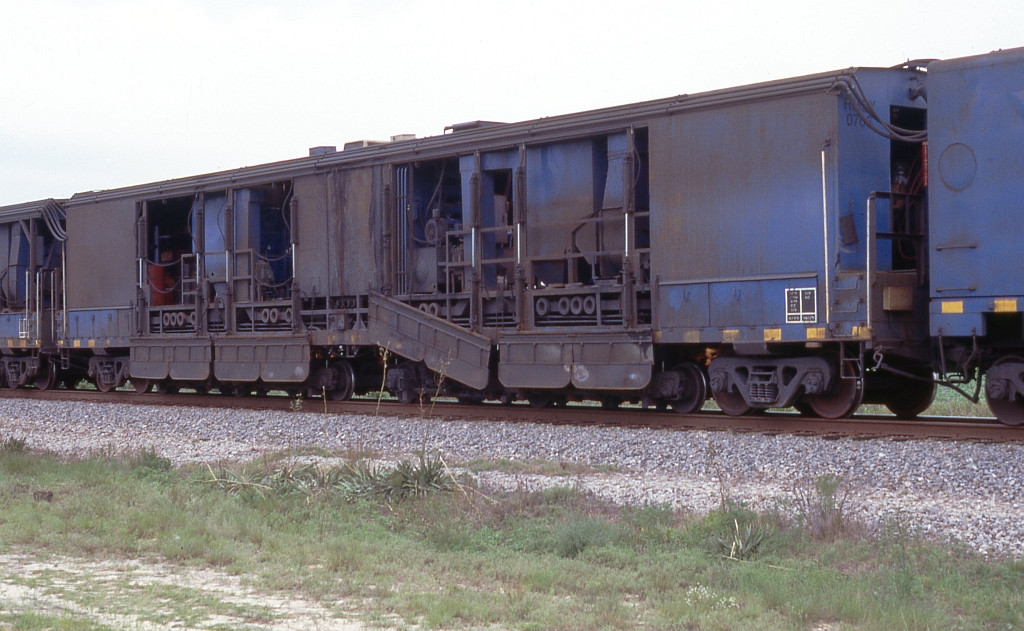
(13, 445)
(950, 403)
(409, 545)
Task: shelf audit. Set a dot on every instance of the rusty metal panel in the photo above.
(354, 198)
(284, 360)
(560, 194)
(615, 361)
(737, 191)
(737, 209)
(10, 325)
(184, 359)
(238, 360)
(316, 271)
(682, 306)
(101, 266)
(335, 250)
(616, 364)
(535, 362)
(101, 325)
(445, 348)
(274, 360)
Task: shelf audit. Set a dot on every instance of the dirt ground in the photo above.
(136, 594)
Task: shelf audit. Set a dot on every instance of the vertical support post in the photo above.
(229, 272)
(869, 263)
(199, 245)
(39, 307)
(387, 240)
(30, 287)
(293, 238)
(824, 214)
(51, 322)
(64, 290)
(629, 317)
(519, 220)
(475, 220)
(293, 234)
(142, 297)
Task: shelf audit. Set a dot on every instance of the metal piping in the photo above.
(627, 217)
(519, 244)
(472, 247)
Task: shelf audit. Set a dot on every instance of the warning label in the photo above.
(802, 305)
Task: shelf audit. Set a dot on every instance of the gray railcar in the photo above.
(765, 246)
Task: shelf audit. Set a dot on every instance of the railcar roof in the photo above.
(492, 137)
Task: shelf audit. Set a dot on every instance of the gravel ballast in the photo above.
(970, 493)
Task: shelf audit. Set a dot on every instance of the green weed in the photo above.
(12, 445)
(409, 541)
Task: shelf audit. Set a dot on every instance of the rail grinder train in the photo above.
(814, 243)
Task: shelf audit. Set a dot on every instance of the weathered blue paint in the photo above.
(976, 186)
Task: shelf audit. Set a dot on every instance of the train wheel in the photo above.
(610, 402)
(1007, 407)
(167, 387)
(344, 381)
(141, 386)
(732, 403)
(803, 407)
(47, 379)
(103, 386)
(693, 389)
(909, 397)
(541, 399)
(843, 399)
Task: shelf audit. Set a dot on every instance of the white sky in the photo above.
(108, 93)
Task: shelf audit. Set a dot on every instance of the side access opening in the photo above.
(168, 252)
(498, 241)
(599, 273)
(28, 248)
(433, 253)
(897, 266)
(31, 294)
(209, 265)
(907, 227)
(261, 261)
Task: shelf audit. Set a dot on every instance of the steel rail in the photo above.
(785, 423)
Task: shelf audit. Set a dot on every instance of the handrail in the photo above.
(869, 261)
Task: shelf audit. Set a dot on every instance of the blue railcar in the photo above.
(786, 233)
(976, 203)
(31, 292)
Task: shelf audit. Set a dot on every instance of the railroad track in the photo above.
(859, 426)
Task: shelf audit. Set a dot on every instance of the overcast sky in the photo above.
(109, 93)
